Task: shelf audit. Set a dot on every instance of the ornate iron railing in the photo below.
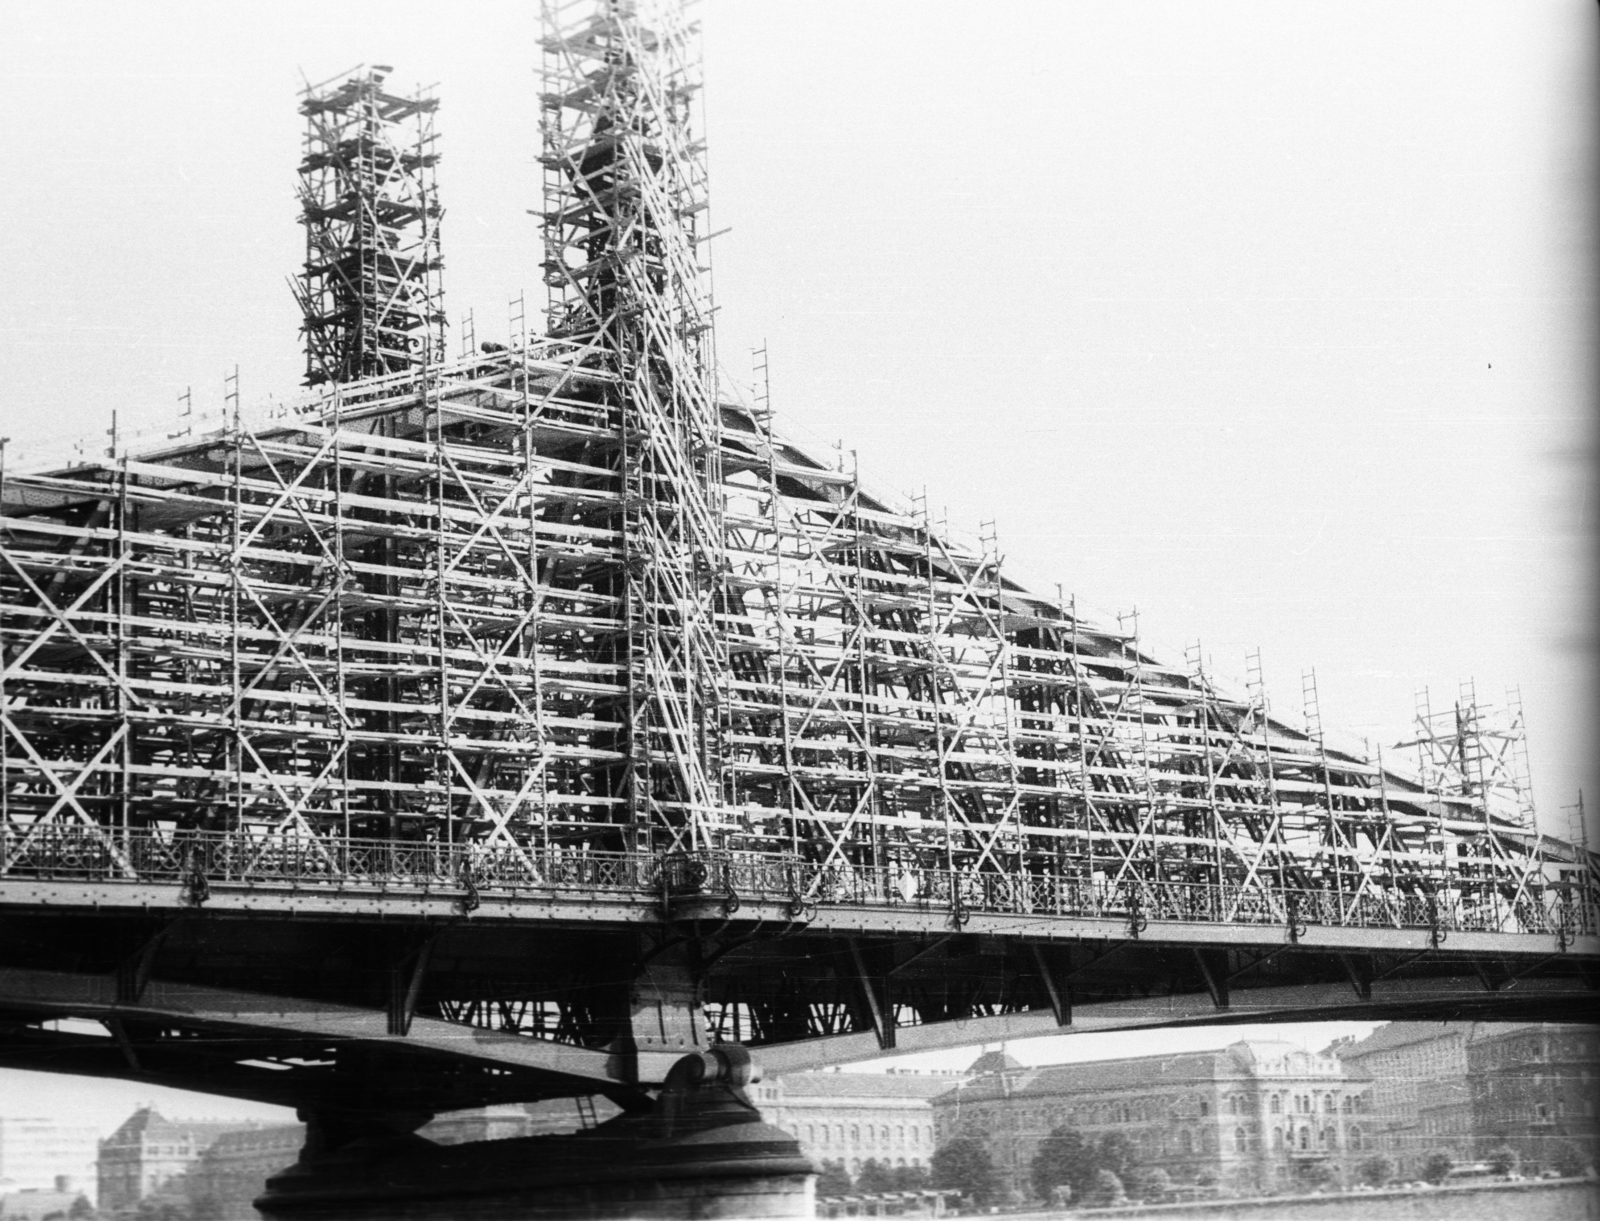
(198, 860)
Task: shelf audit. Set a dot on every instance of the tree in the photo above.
(1149, 1182)
(1107, 1189)
(833, 1179)
(964, 1165)
(910, 1178)
(1437, 1165)
(1316, 1174)
(1503, 1159)
(1376, 1170)
(81, 1209)
(874, 1177)
(1116, 1154)
(1064, 1157)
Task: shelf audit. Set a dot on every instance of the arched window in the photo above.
(883, 1134)
(1275, 1105)
(1355, 1138)
(1346, 1105)
(1277, 1139)
(1327, 1105)
(1205, 1107)
(855, 1133)
(1305, 1138)
(838, 1132)
(1238, 1140)
(900, 1134)
(811, 1132)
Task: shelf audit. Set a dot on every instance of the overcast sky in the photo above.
(1270, 319)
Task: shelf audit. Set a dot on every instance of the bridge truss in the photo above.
(560, 623)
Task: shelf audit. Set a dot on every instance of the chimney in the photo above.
(63, 1182)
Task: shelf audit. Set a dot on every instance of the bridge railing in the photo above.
(197, 859)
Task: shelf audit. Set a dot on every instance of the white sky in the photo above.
(1270, 319)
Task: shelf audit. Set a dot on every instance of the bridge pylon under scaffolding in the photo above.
(545, 723)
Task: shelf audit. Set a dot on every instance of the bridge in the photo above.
(533, 721)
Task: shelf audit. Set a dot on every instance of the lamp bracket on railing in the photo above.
(196, 887)
(1436, 933)
(1297, 927)
(471, 901)
(1137, 920)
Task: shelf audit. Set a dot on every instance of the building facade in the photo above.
(1464, 1088)
(1251, 1117)
(34, 1153)
(851, 1118)
(150, 1152)
(1420, 1099)
(233, 1170)
(1533, 1088)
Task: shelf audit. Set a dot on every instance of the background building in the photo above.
(234, 1169)
(1250, 1117)
(149, 1152)
(63, 1199)
(34, 1153)
(1419, 1097)
(855, 1117)
(1464, 1088)
(1533, 1088)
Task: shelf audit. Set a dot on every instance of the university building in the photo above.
(852, 1118)
(150, 1154)
(1251, 1117)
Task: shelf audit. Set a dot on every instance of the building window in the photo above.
(1205, 1107)
(1355, 1138)
(1275, 1106)
(1238, 1140)
(1277, 1140)
(1185, 1141)
(1305, 1138)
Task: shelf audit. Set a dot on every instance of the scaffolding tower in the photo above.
(624, 211)
(369, 292)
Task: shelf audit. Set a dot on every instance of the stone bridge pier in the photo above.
(696, 1147)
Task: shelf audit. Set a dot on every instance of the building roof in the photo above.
(273, 1136)
(1401, 1034)
(149, 1123)
(1495, 1030)
(993, 1062)
(864, 1085)
(1236, 1062)
(33, 1205)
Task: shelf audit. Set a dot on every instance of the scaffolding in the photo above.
(562, 614)
(369, 292)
